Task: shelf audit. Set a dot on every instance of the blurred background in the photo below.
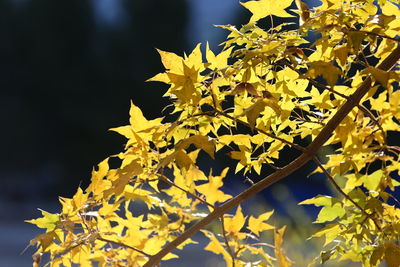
(68, 71)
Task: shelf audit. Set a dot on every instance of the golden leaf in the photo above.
(203, 142)
(257, 225)
(263, 8)
(280, 255)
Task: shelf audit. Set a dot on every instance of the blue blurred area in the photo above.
(68, 71)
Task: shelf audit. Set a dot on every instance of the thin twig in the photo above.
(261, 131)
(168, 181)
(330, 178)
(360, 106)
(304, 120)
(377, 35)
(124, 245)
(338, 188)
(226, 240)
(372, 117)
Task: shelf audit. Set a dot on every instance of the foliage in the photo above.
(267, 90)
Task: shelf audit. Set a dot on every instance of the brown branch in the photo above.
(307, 155)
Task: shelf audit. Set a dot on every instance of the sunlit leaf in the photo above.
(48, 221)
(263, 8)
(257, 225)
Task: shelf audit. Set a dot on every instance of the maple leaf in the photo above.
(332, 207)
(254, 111)
(263, 8)
(48, 221)
(216, 247)
(328, 71)
(182, 74)
(139, 125)
(235, 223)
(203, 142)
(283, 260)
(257, 225)
(219, 61)
(171, 61)
(121, 178)
(98, 184)
(45, 240)
(211, 190)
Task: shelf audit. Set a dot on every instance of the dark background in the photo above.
(66, 76)
(68, 70)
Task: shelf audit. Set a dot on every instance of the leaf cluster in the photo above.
(268, 89)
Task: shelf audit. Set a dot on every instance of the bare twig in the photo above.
(168, 181)
(124, 245)
(337, 186)
(231, 253)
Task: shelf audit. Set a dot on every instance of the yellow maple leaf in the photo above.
(195, 59)
(216, 247)
(155, 244)
(203, 142)
(48, 221)
(253, 112)
(219, 61)
(182, 74)
(45, 240)
(138, 121)
(238, 139)
(98, 183)
(138, 124)
(235, 223)
(121, 177)
(328, 71)
(280, 254)
(79, 199)
(171, 61)
(257, 225)
(195, 174)
(211, 190)
(263, 8)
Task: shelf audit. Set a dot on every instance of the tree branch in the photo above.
(307, 155)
